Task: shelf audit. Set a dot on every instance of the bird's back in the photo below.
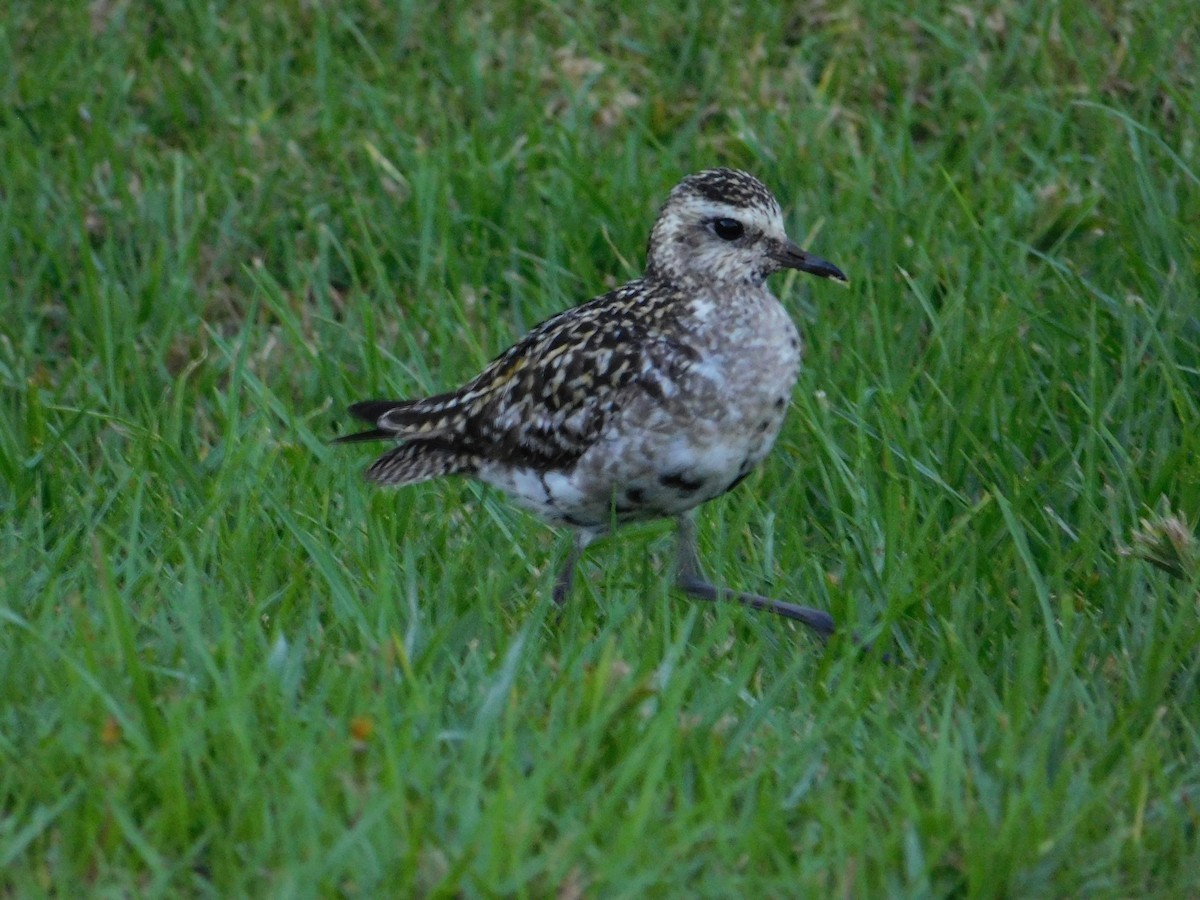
(542, 402)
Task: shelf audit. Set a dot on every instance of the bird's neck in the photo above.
(692, 282)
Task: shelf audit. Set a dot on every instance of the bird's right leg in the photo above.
(693, 583)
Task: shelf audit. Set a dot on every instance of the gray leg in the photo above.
(693, 583)
(566, 575)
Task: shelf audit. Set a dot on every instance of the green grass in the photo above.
(228, 667)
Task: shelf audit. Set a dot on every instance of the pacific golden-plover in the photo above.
(642, 403)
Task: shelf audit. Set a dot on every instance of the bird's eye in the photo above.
(728, 229)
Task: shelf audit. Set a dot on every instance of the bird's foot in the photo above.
(818, 620)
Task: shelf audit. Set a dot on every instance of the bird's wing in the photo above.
(547, 398)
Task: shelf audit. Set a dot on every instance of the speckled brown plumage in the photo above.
(643, 402)
(542, 402)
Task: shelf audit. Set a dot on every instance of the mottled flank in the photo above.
(644, 402)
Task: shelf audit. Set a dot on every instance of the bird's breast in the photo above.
(711, 416)
(747, 353)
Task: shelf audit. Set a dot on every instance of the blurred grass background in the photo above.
(228, 667)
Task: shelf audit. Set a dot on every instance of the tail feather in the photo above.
(416, 461)
(426, 418)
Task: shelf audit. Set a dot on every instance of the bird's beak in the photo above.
(790, 256)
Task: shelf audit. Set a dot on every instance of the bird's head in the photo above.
(724, 225)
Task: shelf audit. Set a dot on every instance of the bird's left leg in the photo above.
(693, 583)
(566, 574)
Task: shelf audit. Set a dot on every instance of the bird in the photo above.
(642, 403)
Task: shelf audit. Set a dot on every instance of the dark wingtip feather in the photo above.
(375, 434)
(371, 410)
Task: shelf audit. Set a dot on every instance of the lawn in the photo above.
(230, 667)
